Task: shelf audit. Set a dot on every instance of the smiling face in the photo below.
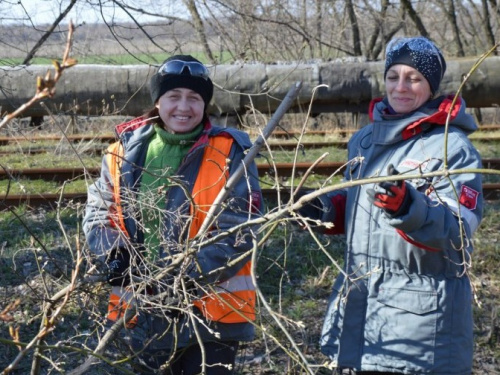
(181, 110)
(406, 88)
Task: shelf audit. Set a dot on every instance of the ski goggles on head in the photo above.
(177, 67)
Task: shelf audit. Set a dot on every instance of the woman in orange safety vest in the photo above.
(190, 304)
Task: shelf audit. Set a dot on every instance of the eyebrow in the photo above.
(413, 72)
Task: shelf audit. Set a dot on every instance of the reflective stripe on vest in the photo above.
(120, 300)
(234, 299)
(114, 157)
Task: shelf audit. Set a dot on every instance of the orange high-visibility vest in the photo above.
(231, 301)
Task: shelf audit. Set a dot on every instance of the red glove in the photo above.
(395, 199)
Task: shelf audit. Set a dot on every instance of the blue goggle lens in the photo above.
(177, 67)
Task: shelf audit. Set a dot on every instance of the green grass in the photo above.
(50, 160)
(485, 276)
(293, 262)
(24, 186)
(487, 149)
(30, 235)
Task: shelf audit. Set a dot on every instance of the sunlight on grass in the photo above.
(23, 187)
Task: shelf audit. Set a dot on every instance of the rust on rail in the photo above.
(277, 170)
(343, 134)
(490, 192)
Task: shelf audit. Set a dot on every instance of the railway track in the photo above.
(274, 146)
(343, 134)
(491, 190)
(38, 148)
(278, 169)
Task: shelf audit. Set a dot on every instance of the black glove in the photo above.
(395, 199)
(118, 264)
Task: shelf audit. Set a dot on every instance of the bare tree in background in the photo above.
(198, 25)
(356, 42)
(486, 22)
(224, 31)
(448, 7)
(414, 17)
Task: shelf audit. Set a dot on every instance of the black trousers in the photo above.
(219, 359)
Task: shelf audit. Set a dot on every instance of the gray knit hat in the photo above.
(419, 53)
(182, 71)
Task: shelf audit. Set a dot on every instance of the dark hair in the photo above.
(153, 112)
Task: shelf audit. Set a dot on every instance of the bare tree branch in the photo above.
(488, 31)
(200, 30)
(49, 32)
(450, 14)
(415, 18)
(356, 42)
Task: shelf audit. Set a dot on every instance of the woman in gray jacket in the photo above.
(405, 303)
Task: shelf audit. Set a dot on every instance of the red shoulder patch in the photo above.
(469, 197)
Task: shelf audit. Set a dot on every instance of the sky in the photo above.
(46, 11)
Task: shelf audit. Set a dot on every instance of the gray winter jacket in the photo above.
(406, 306)
(102, 236)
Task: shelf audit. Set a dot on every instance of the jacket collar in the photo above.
(390, 128)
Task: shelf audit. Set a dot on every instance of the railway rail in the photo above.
(343, 134)
(490, 190)
(274, 146)
(348, 132)
(278, 169)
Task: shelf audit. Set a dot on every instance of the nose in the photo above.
(183, 103)
(401, 84)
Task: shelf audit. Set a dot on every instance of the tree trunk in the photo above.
(415, 18)
(452, 18)
(378, 18)
(318, 20)
(198, 25)
(356, 42)
(490, 37)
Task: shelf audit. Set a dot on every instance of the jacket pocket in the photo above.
(401, 324)
(414, 301)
